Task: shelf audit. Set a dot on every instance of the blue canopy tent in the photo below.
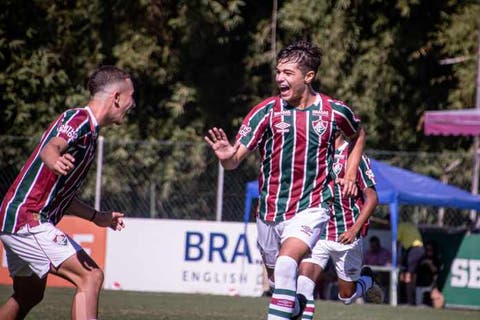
(396, 186)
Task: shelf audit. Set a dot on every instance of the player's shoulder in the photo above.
(264, 107)
(76, 112)
(335, 103)
(267, 103)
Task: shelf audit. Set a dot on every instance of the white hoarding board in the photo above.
(184, 256)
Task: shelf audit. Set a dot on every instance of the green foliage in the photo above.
(382, 58)
(203, 63)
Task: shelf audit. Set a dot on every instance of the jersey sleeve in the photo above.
(345, 119)
(365, 175)
(73, 125)
(255, 124)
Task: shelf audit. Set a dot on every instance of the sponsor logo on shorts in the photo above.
(307, 230)
(60, 239)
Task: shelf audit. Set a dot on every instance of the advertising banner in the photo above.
(462, 288)
(184, 256)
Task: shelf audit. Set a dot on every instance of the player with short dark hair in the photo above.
(294, 133)
(46, 189)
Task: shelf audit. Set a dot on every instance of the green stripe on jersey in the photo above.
(22, 189)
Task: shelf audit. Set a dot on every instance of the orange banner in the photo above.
(90, 237)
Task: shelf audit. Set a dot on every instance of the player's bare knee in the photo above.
(96, 278)
(91, 280)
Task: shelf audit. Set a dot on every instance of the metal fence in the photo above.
(183, 180)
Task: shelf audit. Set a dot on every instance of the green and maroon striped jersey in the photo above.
(38, 195)
(345, 210)
(296, 149)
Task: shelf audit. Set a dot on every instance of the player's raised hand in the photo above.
(217, 139)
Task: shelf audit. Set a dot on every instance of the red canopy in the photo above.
(464, 122)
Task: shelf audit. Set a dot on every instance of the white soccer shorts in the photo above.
(35, 249)
(305, 225)
(347, 258)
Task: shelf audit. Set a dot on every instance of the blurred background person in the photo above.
(377, 255)
(410, 239)
(427, 273)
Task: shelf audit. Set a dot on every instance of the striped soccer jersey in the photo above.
(346, 209)
(296, 148)
(38, 195)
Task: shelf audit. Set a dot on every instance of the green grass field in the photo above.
(123, 305)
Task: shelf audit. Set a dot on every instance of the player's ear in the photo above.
(116, 98)
(309, 76)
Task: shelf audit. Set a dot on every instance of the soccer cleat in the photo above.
(300, 304)
(374, 294)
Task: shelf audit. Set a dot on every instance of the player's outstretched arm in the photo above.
(110, 219)
(229, 155)
(371, 202)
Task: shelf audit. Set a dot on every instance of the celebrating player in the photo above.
(46, 189)
(294, 133)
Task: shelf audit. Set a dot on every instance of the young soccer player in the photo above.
(294, 133)
(46, 189)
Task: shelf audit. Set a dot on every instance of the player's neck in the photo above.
(99, 111)
(307, 99)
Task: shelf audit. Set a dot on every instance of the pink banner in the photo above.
(453, 122)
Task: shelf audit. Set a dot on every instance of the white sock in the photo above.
(306, 287)
(283, 297)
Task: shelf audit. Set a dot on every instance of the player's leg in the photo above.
(268, 243)
(283, 298)
(270, 278)
(347, 290)
(28, 269)
(308, 273)
(51, 250)
(298, 236)
(27, 292)
(353, 282)
(84, 273)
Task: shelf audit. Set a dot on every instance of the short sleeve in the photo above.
(72, 125)
(346, 120)
(365, 175)
(255, 124)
